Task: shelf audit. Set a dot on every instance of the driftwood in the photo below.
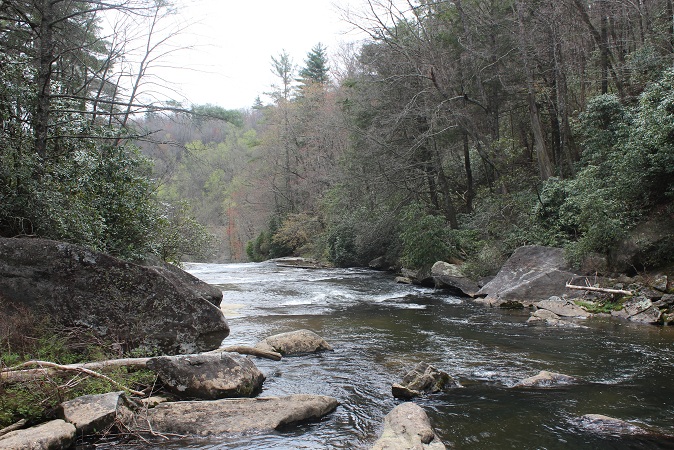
(61, 368)
(18, 374)
(598, 289)
(13, 427)
(245, 350)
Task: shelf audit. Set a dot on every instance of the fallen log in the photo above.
(63, 368)
(13, 427)
(598, 289)
(245, 350)
(18, 374)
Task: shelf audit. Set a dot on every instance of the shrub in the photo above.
(425, 238)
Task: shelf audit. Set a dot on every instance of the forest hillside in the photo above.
(456, 131)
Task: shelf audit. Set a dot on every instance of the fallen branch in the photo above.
(17, 375)
(7, 374)
(13, 427)
(598, 289)
(245, 350)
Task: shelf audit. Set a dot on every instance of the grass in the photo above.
(23, 339)
(601, 306)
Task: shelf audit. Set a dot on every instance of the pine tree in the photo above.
(316, 67)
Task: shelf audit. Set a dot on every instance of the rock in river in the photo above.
(451, 277)
(294, 342)
(56, 434)
(154, 307)
(547, 379)
(562, 308)
(407, 427)
(237, 415)
(531, 274)
(95, 413)
(208, 376)
(423, 379)
(605, 425)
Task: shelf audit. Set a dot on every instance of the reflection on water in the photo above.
(380, 330)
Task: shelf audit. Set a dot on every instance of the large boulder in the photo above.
(161, 307)
(53, 435)
(236, 415)
(423, 379)
(450, 276)
(208, 376)
(531, 274)
(407, 427)
(294, 343)
(93, 414)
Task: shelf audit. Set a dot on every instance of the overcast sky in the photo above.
(235, 40)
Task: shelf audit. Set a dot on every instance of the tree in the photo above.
(315, 70)
(68, 169)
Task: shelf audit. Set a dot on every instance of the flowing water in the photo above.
(381, 329)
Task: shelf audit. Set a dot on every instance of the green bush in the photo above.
(425, 238)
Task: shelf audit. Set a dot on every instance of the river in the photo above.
(381, 329)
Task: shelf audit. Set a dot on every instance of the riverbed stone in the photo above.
(422, 277)
(158, 308)
(562, 307)
(93, 414)
(208, 376)
(423, 379)
(544, 316)
(605, 425)
(451, 277)
(660, 282)
(545, 379)
(408, 427)
(53, 435)
(533, 273)
(639, 309)
(652, 315)
(237, 415)
(294, 343)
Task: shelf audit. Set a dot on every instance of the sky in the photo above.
(234, 40)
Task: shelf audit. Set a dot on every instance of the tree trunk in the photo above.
(44, 74)
(545, 166)
(469, 173)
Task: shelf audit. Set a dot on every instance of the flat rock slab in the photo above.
(208, 376)
(55, 435)
(94, 413)
(549, 318)
(563, 308)
(237, 415)
(407, 427)
(294, 343)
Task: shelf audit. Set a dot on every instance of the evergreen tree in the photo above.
(316, 67)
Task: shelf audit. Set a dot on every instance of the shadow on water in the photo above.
(380, 330)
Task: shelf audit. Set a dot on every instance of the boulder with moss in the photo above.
(151, 307)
